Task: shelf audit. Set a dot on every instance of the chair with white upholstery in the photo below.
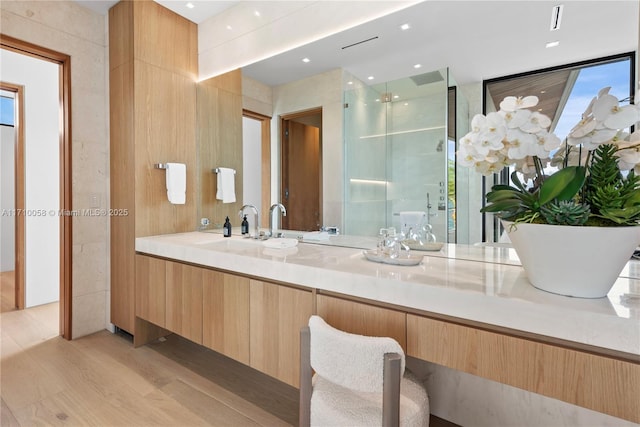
(358, 381)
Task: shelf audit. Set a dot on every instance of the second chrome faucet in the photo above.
(273, 219)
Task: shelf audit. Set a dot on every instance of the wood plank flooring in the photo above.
(102, 380)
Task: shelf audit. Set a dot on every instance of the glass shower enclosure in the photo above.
(400, 154)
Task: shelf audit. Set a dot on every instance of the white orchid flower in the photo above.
(512, 103)
(537, 122)
(622, 117)
(515, 119)
(520, 143)
(628, 158)
(583, 128)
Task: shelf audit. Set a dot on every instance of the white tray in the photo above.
(404, 259)
(432, 246)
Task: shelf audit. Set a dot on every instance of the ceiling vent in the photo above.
(360, 42)
(556, 17)
(426, 78)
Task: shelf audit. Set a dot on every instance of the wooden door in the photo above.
(301, 176)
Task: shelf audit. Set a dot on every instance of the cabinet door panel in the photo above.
(363, 319)
(226, 314)
(277, 314)
(184, 300)
(150, 289)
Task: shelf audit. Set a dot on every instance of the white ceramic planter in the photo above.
(573, 261)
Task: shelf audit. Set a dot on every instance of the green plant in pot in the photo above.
(596, 185)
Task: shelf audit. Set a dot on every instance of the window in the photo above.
(564, 93)
(7, 111)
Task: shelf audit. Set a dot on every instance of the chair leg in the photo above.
(391, 390)
(304, 417)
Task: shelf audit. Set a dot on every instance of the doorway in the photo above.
(12, 197)
(62, 147)
(301, 170)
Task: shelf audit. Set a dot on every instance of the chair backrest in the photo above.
(352, 361)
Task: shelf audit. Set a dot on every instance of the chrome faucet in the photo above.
(273, 219)
(256, 224)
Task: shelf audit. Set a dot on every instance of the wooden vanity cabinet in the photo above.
(150, 291)
(254, 322)
(579, 377)
(184, 285)
(364, 319)
(225, 314)
(278, 312)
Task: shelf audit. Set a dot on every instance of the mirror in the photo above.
(433, 43)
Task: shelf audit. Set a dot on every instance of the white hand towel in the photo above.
(226, 185)
(316, 236)
(176, 183)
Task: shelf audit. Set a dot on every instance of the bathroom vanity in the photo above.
(464, 307)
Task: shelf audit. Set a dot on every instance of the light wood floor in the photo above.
(101, 380)
(7, 291)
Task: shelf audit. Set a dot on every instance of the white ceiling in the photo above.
(476, 39)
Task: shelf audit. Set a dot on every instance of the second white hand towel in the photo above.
(226, 185)
(176, 183)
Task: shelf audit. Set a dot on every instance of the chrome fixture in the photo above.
(273, 219)
(256, 233)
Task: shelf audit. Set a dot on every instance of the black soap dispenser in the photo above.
(227, 228)
(244, 227)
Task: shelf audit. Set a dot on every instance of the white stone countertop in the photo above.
(482, 284)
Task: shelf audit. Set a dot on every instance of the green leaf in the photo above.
(501, 195)
(562, 185)
(629, 215)
(633, 199)
(502, 205)
(516, 181)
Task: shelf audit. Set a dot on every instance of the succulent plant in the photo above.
(565, 212)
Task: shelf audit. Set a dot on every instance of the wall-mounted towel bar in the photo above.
(217, 170)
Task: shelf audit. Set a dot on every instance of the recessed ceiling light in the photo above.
(406, 104)
(378, 100)
(305, 60)
(229, 27)
(370, 78)
(417, 66)
(552, 44)
(349, 83)
(396, 96)
(190, 5)
(404, 27)
(256, 13)
(543, 91)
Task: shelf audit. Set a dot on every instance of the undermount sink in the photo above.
(240, 243)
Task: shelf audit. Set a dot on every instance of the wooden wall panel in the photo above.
(596, 382)
(120, 34)
(184, 300)
(219, 110)
(277, 314)
(165, 39)
(226, 314)
(164, 132)
(363, 319)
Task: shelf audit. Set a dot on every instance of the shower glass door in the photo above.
(396, 153)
